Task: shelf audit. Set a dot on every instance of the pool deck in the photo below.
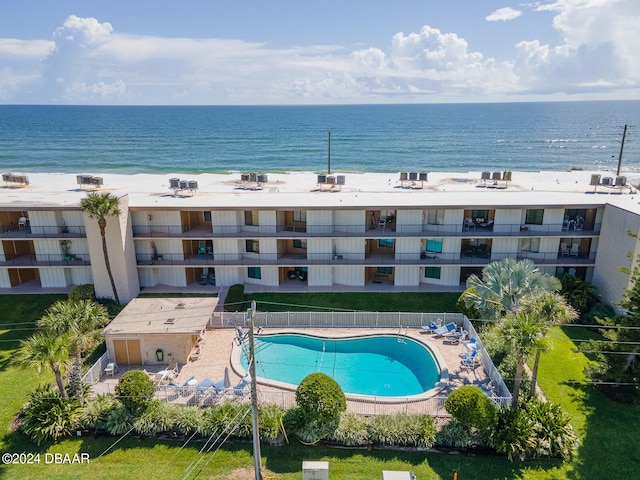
(216, 355)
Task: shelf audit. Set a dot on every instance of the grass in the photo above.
(371, 302)
(608, 431)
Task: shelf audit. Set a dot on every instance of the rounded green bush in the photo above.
(471, 407)
(135, 390)
(47, 416)
(320, 398)
(83, 292)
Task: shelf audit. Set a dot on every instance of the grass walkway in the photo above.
(608, 431)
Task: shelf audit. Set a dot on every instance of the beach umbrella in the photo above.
(227, 379)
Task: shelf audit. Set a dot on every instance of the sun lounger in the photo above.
(448, 328)
(431, 328)
(456, 336)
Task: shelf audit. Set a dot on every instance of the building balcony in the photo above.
(42, 260)
(358, 258)
(42, 231)
(467, 230)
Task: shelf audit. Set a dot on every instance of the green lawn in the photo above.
(372, 302)
(608, 431)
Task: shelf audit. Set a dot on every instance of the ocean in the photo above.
(363, 138)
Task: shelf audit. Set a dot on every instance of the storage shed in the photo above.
(150, 331)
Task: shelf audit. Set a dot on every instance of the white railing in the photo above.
(95, 372)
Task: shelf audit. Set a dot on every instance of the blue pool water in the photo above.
(379, 366)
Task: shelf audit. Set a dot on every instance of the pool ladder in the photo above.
(324, 346)
(402, 338)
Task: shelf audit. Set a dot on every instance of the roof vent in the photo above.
(170, 321)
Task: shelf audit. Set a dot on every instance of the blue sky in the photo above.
(331, 52)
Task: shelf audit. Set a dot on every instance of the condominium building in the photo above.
(358, 231)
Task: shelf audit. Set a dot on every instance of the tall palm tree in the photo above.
(99, 206)
(41, 350)
(525, 331)
(553, 309)
(503, 286)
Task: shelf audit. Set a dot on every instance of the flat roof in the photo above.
(301, 190)
(163, 315)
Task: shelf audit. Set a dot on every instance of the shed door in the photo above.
(127, 352)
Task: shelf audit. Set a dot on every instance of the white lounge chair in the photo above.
(574, 250)
(448, 328)
(469, 360)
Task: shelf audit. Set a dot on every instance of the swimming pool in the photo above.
(380, 365)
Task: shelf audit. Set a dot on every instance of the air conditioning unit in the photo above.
(315, 470)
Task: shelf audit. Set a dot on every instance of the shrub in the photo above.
(188, 420)
(471, 407)
(120, 420)
(234, 301)
(353, 430)
(453, 434)
(536, 429)
(223, 418)
(271, 421)
(403, 430)
(599, 310)
(157, 417)
(47, 416)
(135, 390)
(83, 292)
(320, 398)
(95, 413)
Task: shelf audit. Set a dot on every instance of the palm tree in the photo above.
(99, 206)
(504, 285)
(81, 322)
(41, 349)
(525, 330)
(553, 309)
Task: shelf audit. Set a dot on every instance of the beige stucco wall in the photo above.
(614, 246)
(120, 246)
(176, 347)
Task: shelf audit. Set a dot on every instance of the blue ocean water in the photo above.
(373, 138)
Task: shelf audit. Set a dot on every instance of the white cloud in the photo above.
(503, 14)
(91, 62)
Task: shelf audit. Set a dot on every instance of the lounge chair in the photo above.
(448, 328)
(456, 336)
(564, 251)
(574, 250)
(469, 360)
(432, 327)
(471, 345)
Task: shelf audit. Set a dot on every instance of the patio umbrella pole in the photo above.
(254, 397)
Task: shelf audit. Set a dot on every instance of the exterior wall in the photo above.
(351, 275)
(407, 276)
(320, 276)
(506, 218)
(449, 276)
(610, 281)
(226, 222)
(352, 221)
(176, 347)
(409, 221)
(319, 221)
(119, 236)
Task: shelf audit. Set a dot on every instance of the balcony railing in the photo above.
(45, 260)
(357, 258)
(43, 231)
(360, 230)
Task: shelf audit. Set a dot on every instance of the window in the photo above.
(206, 216)
(251, 217)
(435, 217)
(385, 243)
(530, 245)
(385, 270)
(434, 245)
(534, 216)
(300, 244)
(252, 246)
(254, 272)
(432, 272)
(299, 216)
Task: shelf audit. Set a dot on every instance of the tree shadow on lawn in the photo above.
(156, 458)
(610, 445)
